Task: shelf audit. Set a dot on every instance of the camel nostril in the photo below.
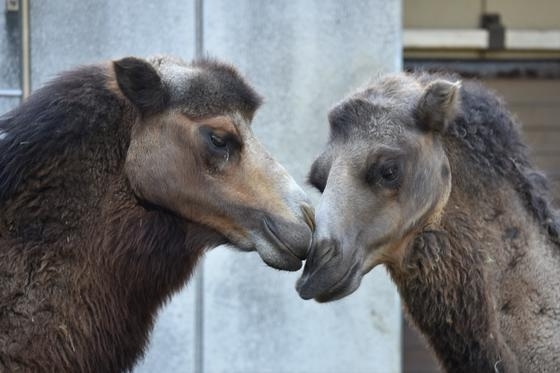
(309, 216)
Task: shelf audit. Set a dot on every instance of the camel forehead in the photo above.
(359, 119)
(383, 111)
(175, 74)
(206, 87)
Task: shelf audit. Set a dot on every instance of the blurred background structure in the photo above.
(512, 46)
(237, 315)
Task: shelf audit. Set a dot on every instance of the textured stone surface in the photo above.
(10, 60)
(67, 33)
(304, 56)
(172, 343)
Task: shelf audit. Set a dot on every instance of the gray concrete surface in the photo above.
(10, 52)
(303, 56)
(68, 33)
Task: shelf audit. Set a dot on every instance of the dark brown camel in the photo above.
(114, 179)
(432, 180)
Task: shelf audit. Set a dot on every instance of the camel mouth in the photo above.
(309, 216)
(276, 240)
(345, 285)
(276, 252)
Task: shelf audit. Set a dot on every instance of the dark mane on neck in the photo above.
(489, 138)
(57, 119)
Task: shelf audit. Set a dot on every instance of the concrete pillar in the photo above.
(67, 33)
(10, 51)
(304, 56)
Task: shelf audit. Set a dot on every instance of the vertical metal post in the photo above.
(199, 28)
(199, 276)
(25, 50)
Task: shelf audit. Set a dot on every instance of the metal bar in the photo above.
(25, 55)
(10, 93)
(199, 275)
(199, 28)
(490, 68)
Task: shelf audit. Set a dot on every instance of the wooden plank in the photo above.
(476, 38)
(526, 90)
(523, 14)
(445, 39)
(532, 39)
(417, 357)
(549, 163)
(544, 115)
(458, 14)
(555, 187)
(542, 141)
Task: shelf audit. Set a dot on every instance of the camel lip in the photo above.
(276, 253)
(290, 264)
(309, 216)
(338, 290)
(278, 242)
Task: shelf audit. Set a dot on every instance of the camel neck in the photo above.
(448, 279)
(445, 293)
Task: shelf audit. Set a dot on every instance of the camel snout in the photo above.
(319, 274)
(286, 242)
(293, 238)
(308, 215)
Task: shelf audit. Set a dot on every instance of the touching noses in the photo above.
(295, 237)
(308, 215)
(324, 256)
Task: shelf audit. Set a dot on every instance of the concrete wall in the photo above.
(10, 61)
(303, 56)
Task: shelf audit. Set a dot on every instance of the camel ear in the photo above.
(141, 84)
(438, 105)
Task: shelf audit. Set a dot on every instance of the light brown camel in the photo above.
(431, 179)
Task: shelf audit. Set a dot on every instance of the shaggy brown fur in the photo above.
(483, 284)
(478, 269)
(85, 264)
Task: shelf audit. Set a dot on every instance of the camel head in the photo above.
(384, 176)
(192, 152)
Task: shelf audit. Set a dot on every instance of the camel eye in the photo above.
(386, 174)
(221, 147)
(217, 141)
(390, 173)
